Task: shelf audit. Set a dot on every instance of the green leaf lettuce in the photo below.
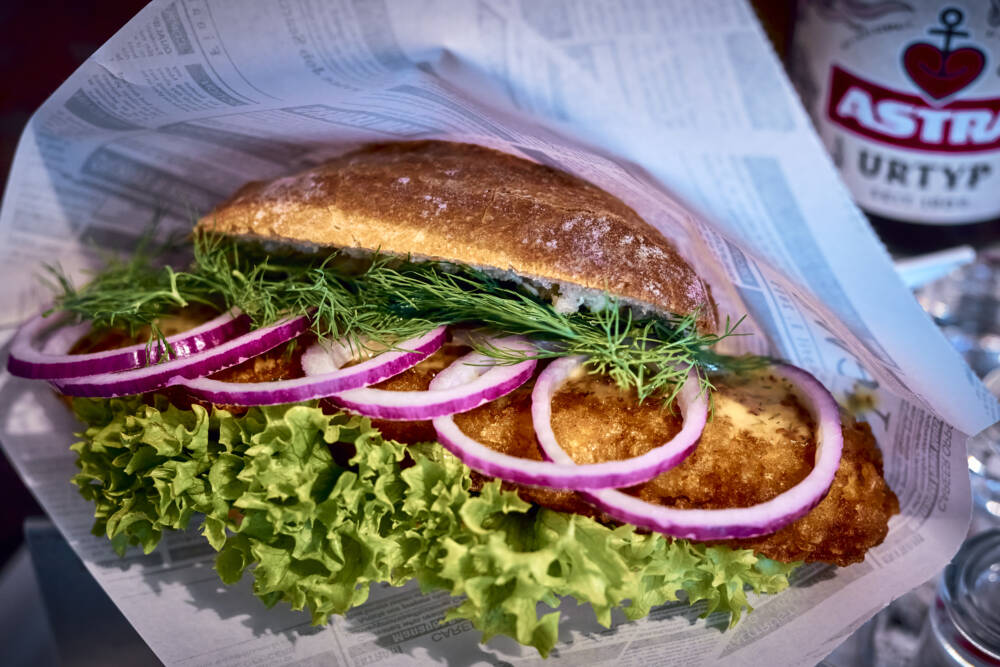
(314, 533)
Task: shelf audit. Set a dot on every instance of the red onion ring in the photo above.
(567, 474)
(483, 380)
(150, 378)
(48, 359)
(756, 520)
(692, 401)
(408, 354)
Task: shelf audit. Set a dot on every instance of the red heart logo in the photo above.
(941, 75)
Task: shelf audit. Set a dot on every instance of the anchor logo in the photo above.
(942, 72)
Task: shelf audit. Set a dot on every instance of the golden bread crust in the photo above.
(472, 205)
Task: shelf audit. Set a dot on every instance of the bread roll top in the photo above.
(466, 204)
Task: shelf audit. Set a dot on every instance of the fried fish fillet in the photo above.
(759, 442)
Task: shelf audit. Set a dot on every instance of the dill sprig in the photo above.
(652, 355)
(385, 300)
(267, 288)
(130, 293)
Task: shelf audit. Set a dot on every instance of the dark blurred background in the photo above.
(41, 43)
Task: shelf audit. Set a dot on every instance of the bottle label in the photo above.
(906, 96)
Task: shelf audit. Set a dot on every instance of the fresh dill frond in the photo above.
(130, 293)
(387, 300)
(456, 295)
(651, 355)
(268, 288)
(648, 355)
(715, 362)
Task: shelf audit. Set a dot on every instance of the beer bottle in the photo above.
(906, 97)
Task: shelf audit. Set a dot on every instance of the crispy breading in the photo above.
(731, 467)
(758, 443)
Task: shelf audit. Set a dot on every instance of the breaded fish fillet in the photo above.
(758, 443)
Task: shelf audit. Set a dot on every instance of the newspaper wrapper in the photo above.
(672, 106)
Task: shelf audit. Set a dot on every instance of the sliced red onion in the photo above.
(565, 473)
(322, 358)
(692, 401)
(46, 358)
(477, 379)
(149, 378)
(760, 519)
(329, 380)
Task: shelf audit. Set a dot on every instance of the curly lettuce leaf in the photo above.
(314, 533)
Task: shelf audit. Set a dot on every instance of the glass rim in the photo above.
(958, 590)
